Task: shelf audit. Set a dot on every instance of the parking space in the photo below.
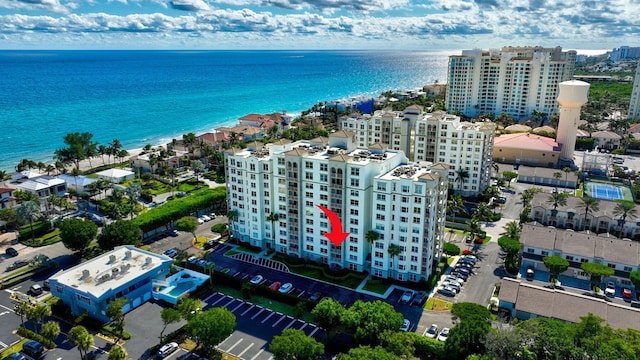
(256, 327)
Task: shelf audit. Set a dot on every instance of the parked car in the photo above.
(626, 293)
(407, 296)
(16, 356)
(500, 200)
(11, 252)
(464, 265)
(447, 291)
(316, 296)
(204, 263)
(460, 275)
(610, 290)
(256, 279)
(200, 221)
(420, 298)
(210, 244)
(432, 332)
(443, 334)
(35, 290)
(46, 285)
(174, 233)
(463, 270)
(205, 217)
(406, 324)
(18, 264)
(275, 286)
(212, 216)
(192, 259)
(530, 272)
(171, 253)
(451, 278)
(618, 161)
(286, 288)
(167, 349)
(454, 285)
(33, 349)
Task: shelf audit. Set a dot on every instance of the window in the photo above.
(379, 254)
(353, 248)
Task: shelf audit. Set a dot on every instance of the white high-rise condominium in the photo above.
(634, 104)
(512, 80)
(370, 189)
(432, 138)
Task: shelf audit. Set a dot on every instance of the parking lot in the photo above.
(256, 327)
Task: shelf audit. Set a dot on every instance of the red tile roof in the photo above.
(4, 190)
(213, 138)
(526, 141)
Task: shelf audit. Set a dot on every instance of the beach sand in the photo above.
(97, 161)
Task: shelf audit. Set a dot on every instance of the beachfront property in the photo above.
(572, 215)
(125, 272)
(281, 120)
(115, 175)
(80, 184)
(431, 138)
(242, 132)
(7, 200)
(372, 188)
(511, 80)
(44, 186)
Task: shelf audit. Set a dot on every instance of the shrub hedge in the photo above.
(40, 228)
(180, 207)
(24, 332)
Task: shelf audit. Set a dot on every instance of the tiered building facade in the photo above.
(370, 189)
(512, 80)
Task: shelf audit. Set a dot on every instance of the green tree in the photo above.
(368, 320)
(512, 230)
(24, 196)
(504, 344)
(398, 342)
(80, 337)
(187, 223)
(557, 199)
(557, 175)
(169, 316)
(371, 236)
(21, 309)
(208, 328)
(512, 249)
(455, 205)
(115, 312)
(509, 176)
(556, 265)
(119, 232)
(50, 330)
(273, 217)
(232, 216)
(37, 313)
(394, 250)
(188, 307)
(198, 168)
(117, 353)
(483, 213)
(76, 234)
(368, 353)
(327, 313)
(474, 227)
(79, 145)
(293, 344)
(9, 215)
(4, 176)
(461, 176)
(634, 276)
(466, 338)
(450, 249)
(624, 209)
(566, 170)
(28, 211)
(550, 339)
(589, 204)
(596, 271)
(467, 310)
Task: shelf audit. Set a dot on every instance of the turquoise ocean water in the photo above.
(150, 97)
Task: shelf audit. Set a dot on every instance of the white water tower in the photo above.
(573, 94)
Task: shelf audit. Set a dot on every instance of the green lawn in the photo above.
(17, 347)
(245, 249)
(376, 286)
(231, 253)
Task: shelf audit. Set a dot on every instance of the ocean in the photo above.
(151, 97)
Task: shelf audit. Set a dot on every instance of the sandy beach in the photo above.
(96, 161)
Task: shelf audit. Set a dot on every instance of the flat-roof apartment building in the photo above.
(431, 138)
(372, 188)
(512, 80)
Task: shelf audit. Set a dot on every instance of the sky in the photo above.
(427, 25)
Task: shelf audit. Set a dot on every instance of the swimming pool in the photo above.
(182, 288)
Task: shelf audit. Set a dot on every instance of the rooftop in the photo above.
(110, 270)
(526, 141)
(40, 183)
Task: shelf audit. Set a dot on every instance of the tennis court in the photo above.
(607, 191)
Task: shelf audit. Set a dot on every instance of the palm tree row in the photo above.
(80, 146)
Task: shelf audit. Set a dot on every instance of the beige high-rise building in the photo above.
(512, 80)
(634, 104)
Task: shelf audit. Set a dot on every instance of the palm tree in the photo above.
(60, 168)
(527, 195)
(232, 215)
(189, 140)
(496, 168)
(372, 236)
(75, 172)
(512, 230)
(197, 167)
(474, 227)
(171, 171)
(623, 209)
(393, 251)
(588, 204)
(557, 199)
(483, 213)
(28, 211)
(37, 313)
(557, 175)
(4, 177)
(80, 337)
(566, 171)
(273, 217)
(103, 150)
(461, 175)
(455, 205)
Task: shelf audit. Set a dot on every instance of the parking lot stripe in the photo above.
(210, 296)
(234, 345)
(291, 323)
(217, 301)
(230, 301)
(245, 350)
(258, 354)
(314, 331)
(299, 295)
(256, 315)
(303, 326)
(246, 311)
(277, 322)
(236, 308)
(267, 318)
(4, 346)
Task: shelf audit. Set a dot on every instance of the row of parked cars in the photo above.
(433, 333)
(452, 284)
(275, 286)
(206, 218)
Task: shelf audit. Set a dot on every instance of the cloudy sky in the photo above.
(317, 24)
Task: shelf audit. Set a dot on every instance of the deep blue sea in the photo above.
(150, 97)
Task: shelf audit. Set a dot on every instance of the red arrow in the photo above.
(336, 236)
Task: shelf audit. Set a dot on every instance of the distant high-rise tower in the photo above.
(634, 104)
(572, 95)
(512, 80)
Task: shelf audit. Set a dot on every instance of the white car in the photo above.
(256, 279)
(192, 259)
(432, 332)
(443, 334)
(167, 349)
(205, 217)
(200, 221)
(285, 288)
(405, 325)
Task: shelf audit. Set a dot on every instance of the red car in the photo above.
(275, 286)
(626, 293)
